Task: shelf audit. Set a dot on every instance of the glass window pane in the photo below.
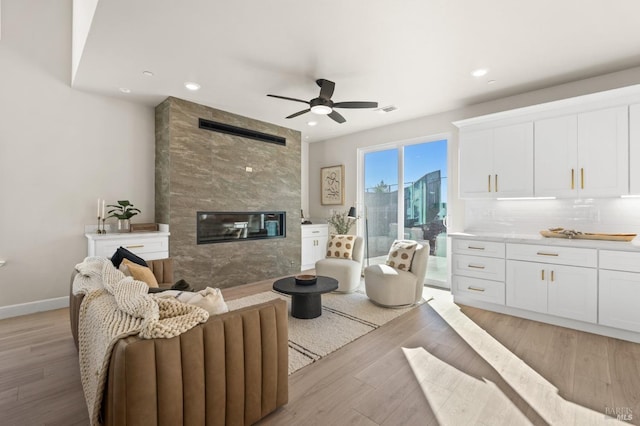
(381, 201)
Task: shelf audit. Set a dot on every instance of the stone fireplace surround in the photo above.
(201, 170)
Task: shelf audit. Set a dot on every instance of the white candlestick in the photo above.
(103, 209)
(98, 208)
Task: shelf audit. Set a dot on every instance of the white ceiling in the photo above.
(415, 54)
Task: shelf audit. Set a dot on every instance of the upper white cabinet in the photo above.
(582, 147)
(603, 152)
(634, 149)
(582, 155)
(497, 162)
(556, 156)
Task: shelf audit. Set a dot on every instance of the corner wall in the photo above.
(201, 170)
(60, 149)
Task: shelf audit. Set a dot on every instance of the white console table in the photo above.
(147, 245)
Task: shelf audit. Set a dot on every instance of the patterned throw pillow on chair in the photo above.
(401, 254)
(340, 246)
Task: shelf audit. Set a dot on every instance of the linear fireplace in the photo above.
(220, 227)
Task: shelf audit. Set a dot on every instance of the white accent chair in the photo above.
(389, 287)
(346, 271)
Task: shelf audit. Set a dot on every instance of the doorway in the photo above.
(415, 209)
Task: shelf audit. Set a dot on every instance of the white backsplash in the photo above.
(608, 215)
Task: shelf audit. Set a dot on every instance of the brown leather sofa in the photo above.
(230, 370)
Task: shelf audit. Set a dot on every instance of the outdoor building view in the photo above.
(424, 200)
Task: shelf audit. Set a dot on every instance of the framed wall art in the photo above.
(332, 185)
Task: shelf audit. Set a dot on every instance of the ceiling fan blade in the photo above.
(299, 113)
(326, 88)
(355, 105)
(337, 117)
(289, 99)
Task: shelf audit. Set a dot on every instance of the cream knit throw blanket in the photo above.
(116, 306)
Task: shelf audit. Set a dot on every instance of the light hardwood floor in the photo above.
(438, 364)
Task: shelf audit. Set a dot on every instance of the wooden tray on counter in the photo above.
(590, 236)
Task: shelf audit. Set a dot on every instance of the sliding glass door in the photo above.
(415, 210)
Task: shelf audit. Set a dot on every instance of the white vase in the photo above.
(124, 225)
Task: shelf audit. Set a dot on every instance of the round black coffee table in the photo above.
(306, 300)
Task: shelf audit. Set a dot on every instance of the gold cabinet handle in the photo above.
(542, 278)
(581, 178)
(489, 182)
(551, 276)
(496, 183)
(476, 266)
(475, 248)
(573, 179)
(542, 253)
(136, 246)
(476, 289)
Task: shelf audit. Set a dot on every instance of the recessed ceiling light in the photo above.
(125, 90)
(479, 72)
(312, 123)
(192, 86)
(147, 73)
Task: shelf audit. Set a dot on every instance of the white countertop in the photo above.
(633, 245)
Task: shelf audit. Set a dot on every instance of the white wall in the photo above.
(60, 149)
(343, 150)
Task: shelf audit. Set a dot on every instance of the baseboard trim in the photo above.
(33, 307)
(550, 319)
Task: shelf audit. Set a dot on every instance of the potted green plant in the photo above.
(341, 222)
(124, 211)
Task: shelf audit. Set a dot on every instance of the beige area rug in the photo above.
(345, 317)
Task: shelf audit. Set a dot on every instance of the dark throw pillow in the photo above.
(122, 253)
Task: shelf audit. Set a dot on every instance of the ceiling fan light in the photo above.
(321, 109)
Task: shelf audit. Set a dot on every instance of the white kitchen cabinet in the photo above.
(553, 254)
(556, 156)
(314, 244)
(634, 149)
(497, 162)
(582, 155)
(527, 286)
(478, 270)
(478, 248)
(587, 285)
(479, 289)
(561, 281)
(573, 292)
(619, 290)
(565, 291)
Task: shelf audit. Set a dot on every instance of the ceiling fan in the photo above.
(324, 105)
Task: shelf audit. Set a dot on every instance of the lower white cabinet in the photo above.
(314, 245)
(479, 289)
(478, 270)
(619, 290)
(591, 288)
(564, 291)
